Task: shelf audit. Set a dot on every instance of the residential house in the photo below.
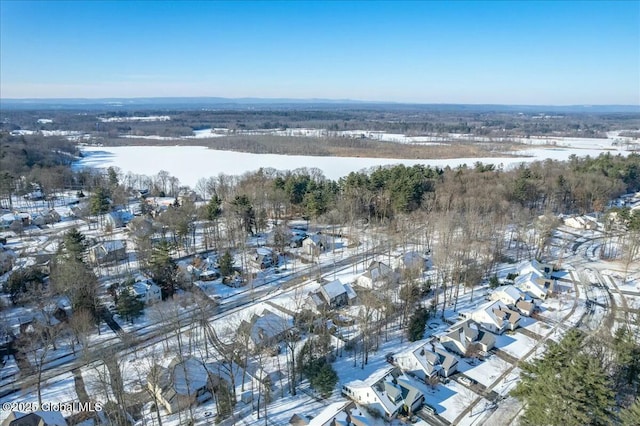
(108, 251)
(264, 258)
(36, 418)
(411, 261)
(465, 337)
(146, 290)
(47, 218)
(580, 222)
(541, 268)
(422, 360)
(43, 262)
(494, 316)
(377, 274)
(267, 328)
(184, 382)
(535, 279)
(387, 391)
(187, 195)
(514, 298)
(332, 295)
(342, 413)
(533, 285)
(299, 420)
(141, 227)
(8, 219)
(448, 361)
(315, 244)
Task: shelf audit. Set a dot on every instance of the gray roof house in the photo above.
(424, 360)
(36, 418)
(465, 337)
(108, 251)
(267, 328)
(184, 382)
(332, 295)
(387, 391)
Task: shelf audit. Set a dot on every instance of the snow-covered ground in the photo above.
(135, 118)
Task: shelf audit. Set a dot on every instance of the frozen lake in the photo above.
(190, 163)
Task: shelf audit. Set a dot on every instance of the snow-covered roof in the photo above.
(112, 245)
(141, 288)
(188, 376)
(510, 291)
(411, 259)
(528, 266)
(263, 251)
(50, 418)
(334, 411)
(334, 289)
(268, 326)
(496, 312)
(422, 352)
(530, 283)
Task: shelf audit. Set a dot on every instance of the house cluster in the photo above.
(389, 390)
(8, 219)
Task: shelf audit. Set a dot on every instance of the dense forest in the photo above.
(410, 120)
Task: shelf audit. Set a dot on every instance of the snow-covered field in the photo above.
(191, 163)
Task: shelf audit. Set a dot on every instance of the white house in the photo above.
(535, 279)
(543, 269)
(423, 360)
(387, 391)
(494, 316)
(534, 285)
(376, 276)
(146, 290)
(315, 244)
(342, 413)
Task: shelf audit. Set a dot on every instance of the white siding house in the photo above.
(387, 391)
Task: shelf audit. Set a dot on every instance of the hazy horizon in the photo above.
(475, 53)
(275, 100)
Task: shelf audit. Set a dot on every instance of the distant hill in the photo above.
(287, 103)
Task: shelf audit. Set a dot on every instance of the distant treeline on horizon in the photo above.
(287, 103)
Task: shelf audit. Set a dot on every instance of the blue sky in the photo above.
(429, 52)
